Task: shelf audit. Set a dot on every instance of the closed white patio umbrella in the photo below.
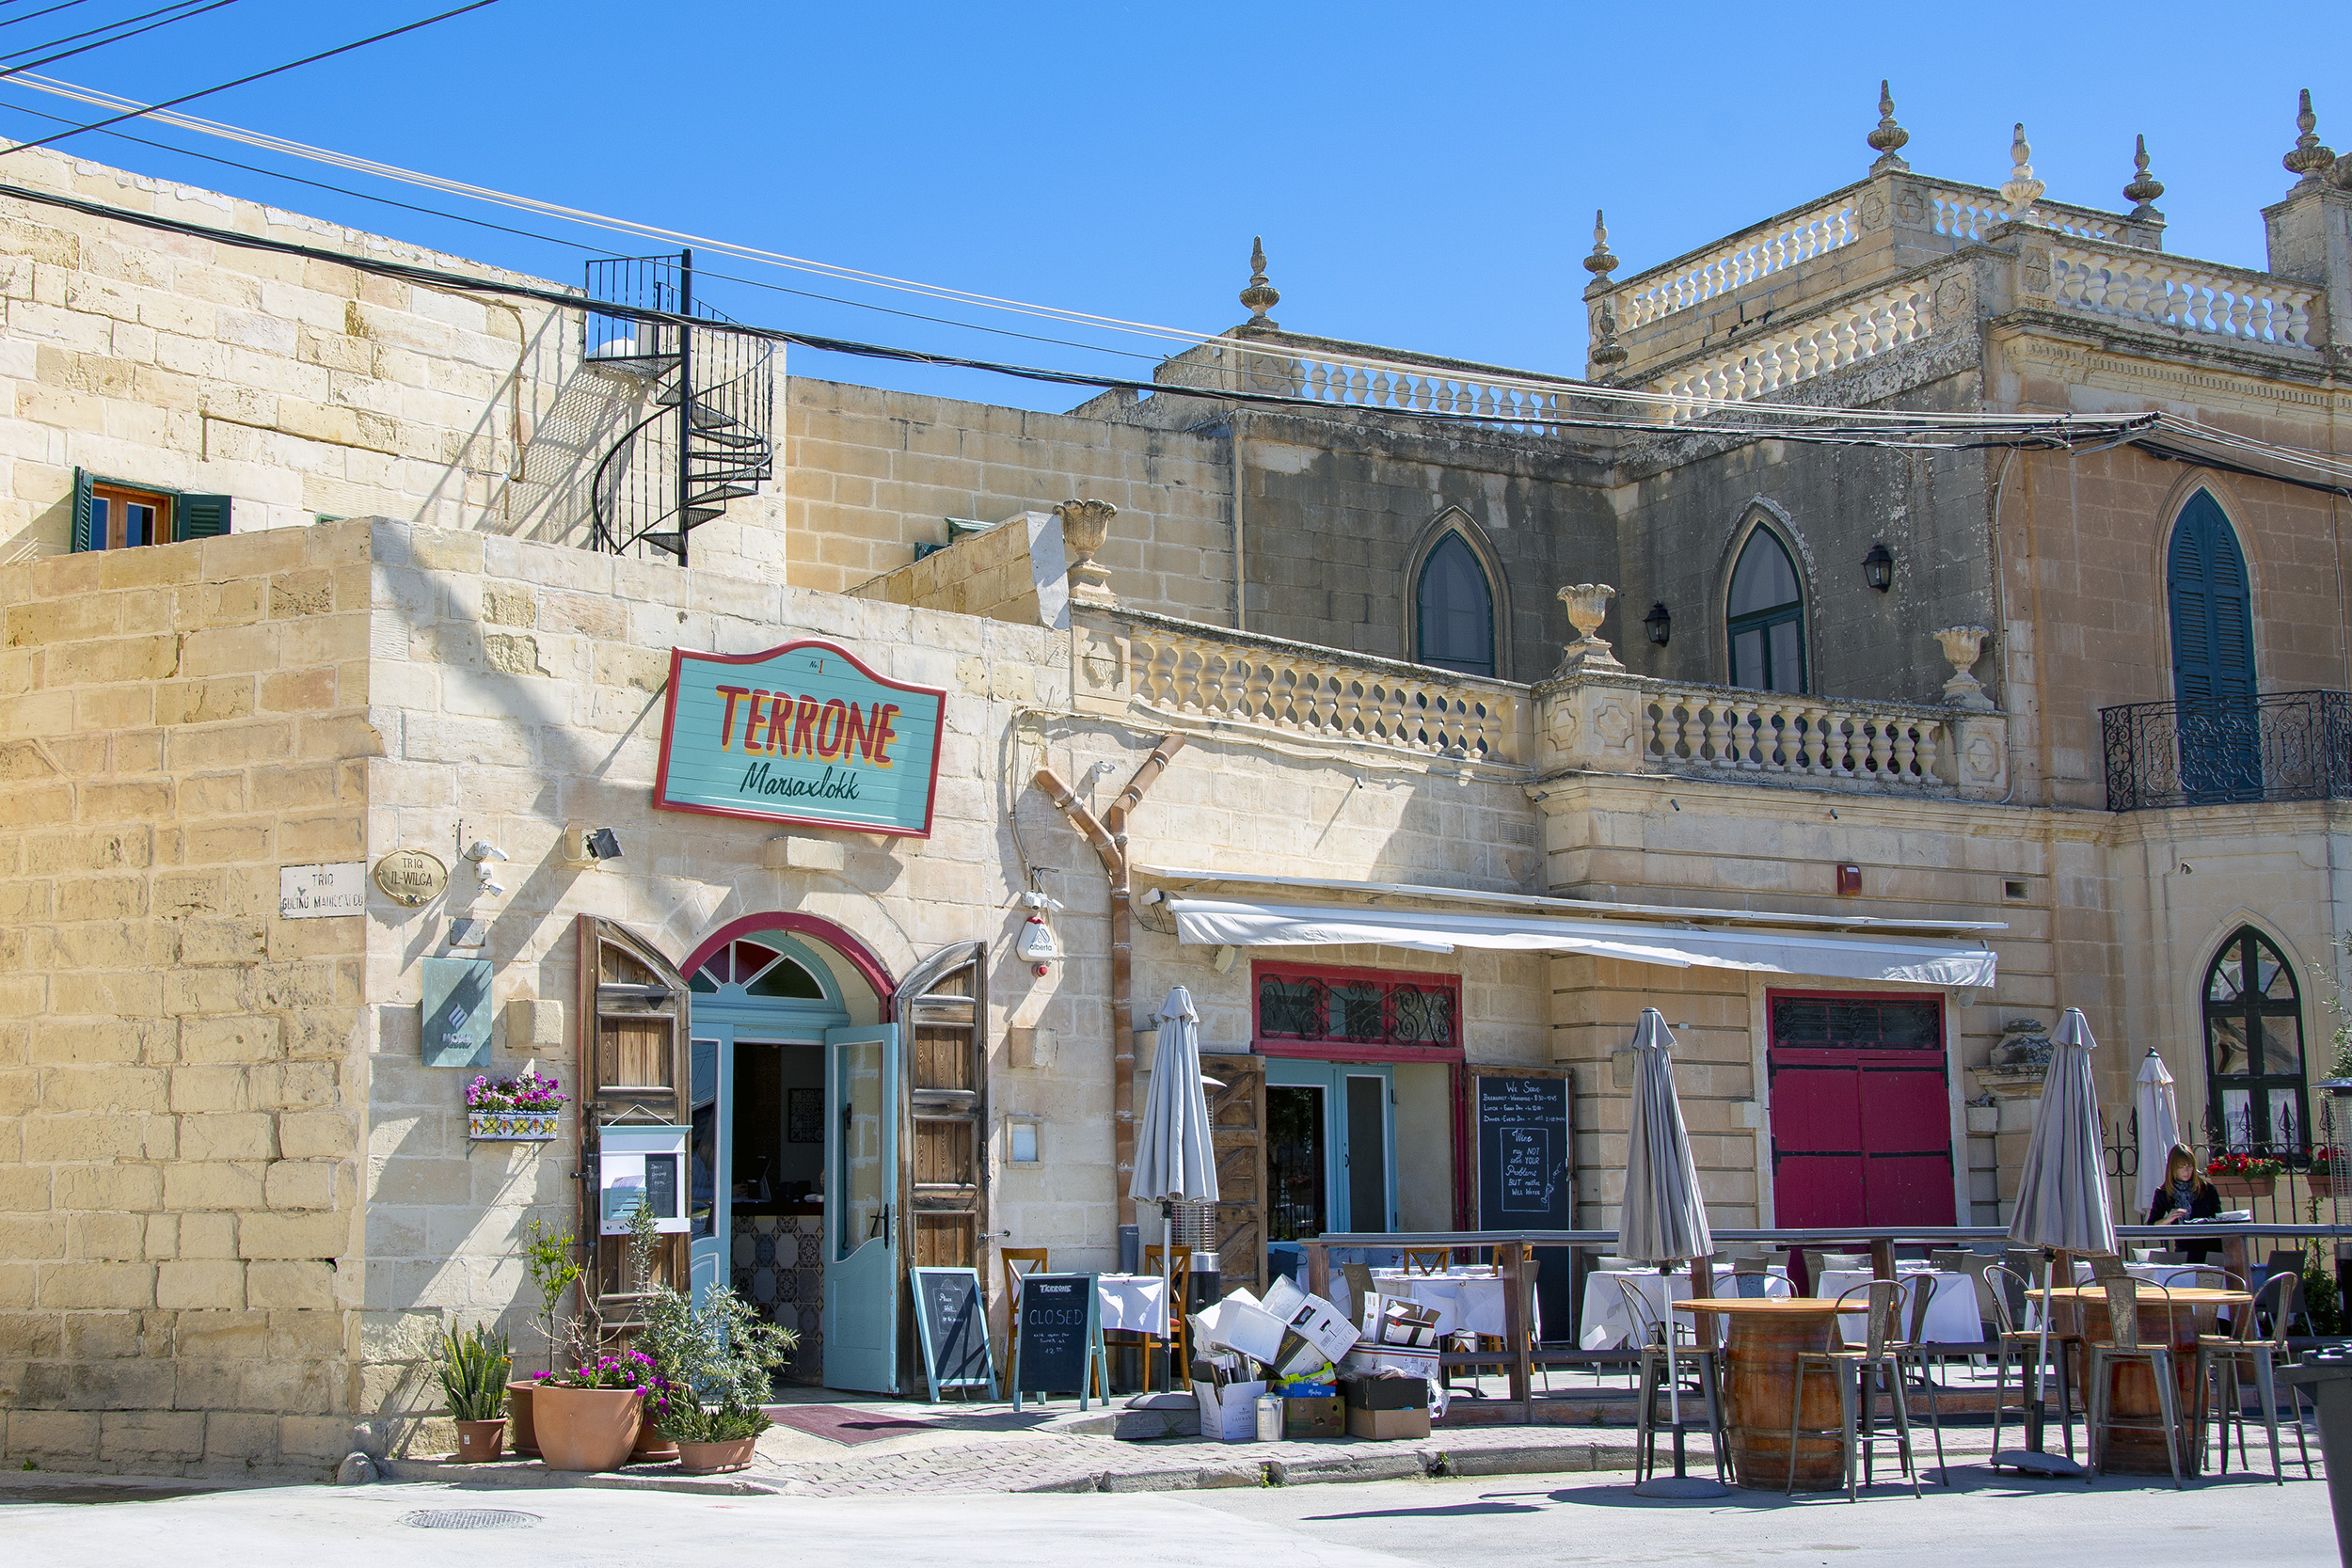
(1175, 1149)
(1662, 1220)
(2159, 1117)
(2062, 1200)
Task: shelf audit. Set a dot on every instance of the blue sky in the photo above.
(1425, 177)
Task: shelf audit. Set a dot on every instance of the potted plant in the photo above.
(513, 1110)
(718, 1362)
(472, 1368)
(2319, 1176)
(553, 1258)
(2244, 1175)
(587, 1419)
(654, 1446)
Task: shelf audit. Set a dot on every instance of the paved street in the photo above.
(1563, 1520)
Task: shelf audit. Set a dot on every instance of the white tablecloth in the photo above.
(1607, 1323)
(2171, 1277)
(1952, 1318)
(1133, 1302)
(1466, 1302)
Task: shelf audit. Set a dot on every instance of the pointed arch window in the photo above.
(2257, 1098)
(1454, 610)
(2213, 656)
(1766, 616)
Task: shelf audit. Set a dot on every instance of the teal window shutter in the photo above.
(204, 517)
(81, 509)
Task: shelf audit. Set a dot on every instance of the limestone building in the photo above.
(368, 723)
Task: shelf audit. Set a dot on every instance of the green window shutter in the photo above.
(81, 509)
(202, 517)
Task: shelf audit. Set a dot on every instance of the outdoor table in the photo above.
(1606, 1324)
(1760, 1381)
(2140, 1451)
(1952, 1318)
(1134, 1302)
(1467, 1303)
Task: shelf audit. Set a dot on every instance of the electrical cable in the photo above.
(187, 10)
(28, 16)
(255, 76)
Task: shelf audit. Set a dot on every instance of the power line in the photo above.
(28, 16)
(181, 7)
(274, 71)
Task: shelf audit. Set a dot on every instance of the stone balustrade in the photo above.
(1740, 260)
(1970, 212)
(2145, 286)
(1443, 389)
(1184, 670)
(1833, 340)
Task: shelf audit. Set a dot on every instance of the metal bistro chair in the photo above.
(1700, 1359)
(1919, 1293)
(2123, 1343)
(2218, 1357)
(1852, 1369)
(2291, 1265)
(2010, 1292)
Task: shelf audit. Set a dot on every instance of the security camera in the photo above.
(485, 850)
(494, 889)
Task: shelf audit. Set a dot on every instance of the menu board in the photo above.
(1523, 1150)
(1059, 1339)
(951, 1320)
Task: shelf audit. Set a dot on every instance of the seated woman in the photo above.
(2186, 1195)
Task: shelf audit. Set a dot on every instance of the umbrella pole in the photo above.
(2033, 1457)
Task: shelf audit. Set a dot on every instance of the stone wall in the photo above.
(180, 1079)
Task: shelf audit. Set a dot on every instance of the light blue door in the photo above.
(1356, 1107)
(710, 1157)
(863, 1228)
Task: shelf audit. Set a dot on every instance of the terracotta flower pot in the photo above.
(523, 1440)
(584, 1429)
(711, 1458)
(478, 1442)
(653, 1447)
(2244, 1186)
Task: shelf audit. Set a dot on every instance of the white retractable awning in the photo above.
(1221, 923)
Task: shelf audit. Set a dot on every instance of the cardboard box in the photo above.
(1322, 1417)
(1370, 1360)
(1238, 1322)
(1229, 1414)
(1407, 1323)
(1382, 1426)
(1386, 1393)
(1311, 1317)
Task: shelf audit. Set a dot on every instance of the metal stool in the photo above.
(1704, 1361)
(2220, 1354)
(1852, 1369)
(2008, 1286)
(2122, 1344)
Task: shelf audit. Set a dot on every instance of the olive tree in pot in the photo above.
(718, 1362)
(472, 1368)
(553, 1257)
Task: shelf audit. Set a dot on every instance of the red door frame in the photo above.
(1862, 1060)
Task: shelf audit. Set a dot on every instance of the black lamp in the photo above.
(1659, 624)
(1878, 567)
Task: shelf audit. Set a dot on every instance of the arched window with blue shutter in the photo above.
(1454, 606)
(2212, 657)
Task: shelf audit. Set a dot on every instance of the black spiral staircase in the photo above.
(708, 437)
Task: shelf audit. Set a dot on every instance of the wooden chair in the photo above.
(1427, 1259)
(2123, 1343)
(2218, 1358)
(1853, 1370)
(2010, 1294)
(1651, 1335)
(1010, 1258)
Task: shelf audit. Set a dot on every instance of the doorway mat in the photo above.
(845, 1424)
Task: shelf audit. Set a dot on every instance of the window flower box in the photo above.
(512, 1127)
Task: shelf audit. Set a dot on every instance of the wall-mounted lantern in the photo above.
(1878, 567)
(1659, 623)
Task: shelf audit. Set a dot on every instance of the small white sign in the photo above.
(315, 892)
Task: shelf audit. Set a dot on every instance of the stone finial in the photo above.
(2021, 190)
(1606, 353)
(1588, 605)
(2308, 159)
(1963, 645)
(2145, 187)
(1085, 525)
(1889, 137)
(1260, 296)
(1601, 263)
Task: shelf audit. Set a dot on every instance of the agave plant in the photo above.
(472, 1367)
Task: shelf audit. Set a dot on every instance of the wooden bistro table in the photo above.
(2140, 1450)
(1761, 1380)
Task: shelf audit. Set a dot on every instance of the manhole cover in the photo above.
(469, 1518)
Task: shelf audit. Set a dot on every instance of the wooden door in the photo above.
(943, 1011)
(634, 1069)
(1861, 1111)
(1237, 1123)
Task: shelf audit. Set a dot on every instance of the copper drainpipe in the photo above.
(1108, 835)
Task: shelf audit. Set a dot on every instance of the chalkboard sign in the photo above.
(951, 1318)
(1524, 1164)
(1060, 1337)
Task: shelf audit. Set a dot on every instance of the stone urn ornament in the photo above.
(1085, 525)
(1964, 646)
(1588, 605)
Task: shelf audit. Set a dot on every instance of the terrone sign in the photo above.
(803, 733)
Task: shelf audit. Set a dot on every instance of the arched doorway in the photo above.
(2256, 1098)
(2212, 657)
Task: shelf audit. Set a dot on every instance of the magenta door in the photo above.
(1861, 1112)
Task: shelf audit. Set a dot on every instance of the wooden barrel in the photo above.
(2140, 1449)
(1760, 1386)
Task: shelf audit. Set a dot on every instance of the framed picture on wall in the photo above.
(804, 1116)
